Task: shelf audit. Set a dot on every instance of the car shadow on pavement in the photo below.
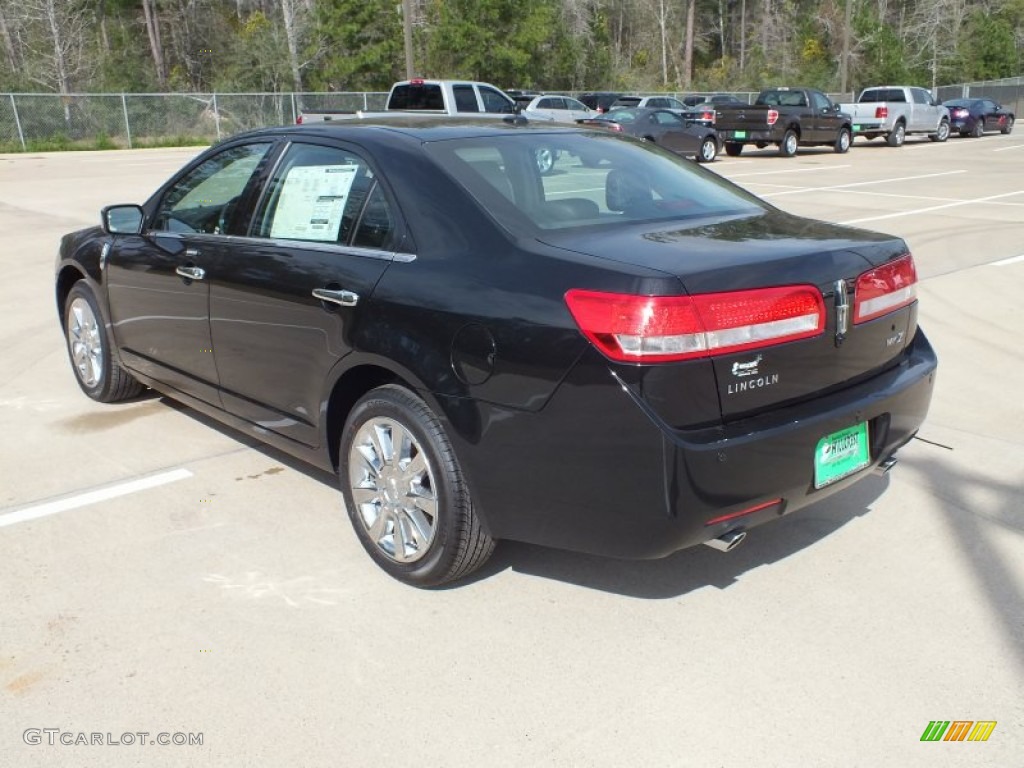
(668, 577)
(693, 568)
(971, 502)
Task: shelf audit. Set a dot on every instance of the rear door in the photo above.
(287, 300)
(672, 132)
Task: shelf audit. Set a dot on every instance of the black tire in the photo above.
(732, 149)
(457, 544)
(964, 134)
(708, 150)
(545, 160)
(942, 133)
(790, 142)
(1007, 126)
(897, 135)
(979, 128)
(843, 141)
(90, 349)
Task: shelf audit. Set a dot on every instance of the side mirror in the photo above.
(122, 219)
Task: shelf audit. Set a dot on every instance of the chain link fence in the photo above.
(32, 121)
(38, 121)
(1009, 92)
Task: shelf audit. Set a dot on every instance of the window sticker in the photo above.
(312, 201)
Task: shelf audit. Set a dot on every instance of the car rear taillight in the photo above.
(709, 116)
(959, 112)
(885, 289)
(773, 116)
(298, 120)
(654, 329)
(881, 111)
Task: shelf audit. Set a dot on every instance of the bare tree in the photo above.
(149, 11)
(688, 45)
(293, 13)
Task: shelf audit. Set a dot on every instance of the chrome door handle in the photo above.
(191, 273)
(341, 298)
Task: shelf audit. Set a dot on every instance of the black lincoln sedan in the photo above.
(628, 357)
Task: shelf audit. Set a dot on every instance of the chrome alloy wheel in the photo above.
(85, 342)
(393, 489)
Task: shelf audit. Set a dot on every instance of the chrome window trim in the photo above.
(276, 242)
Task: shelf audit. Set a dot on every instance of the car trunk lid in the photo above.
(742, 256)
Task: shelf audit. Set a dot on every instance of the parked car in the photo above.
(561, 109)
(701, 100)
(625, 359)
(973, 117)
(787, 117)
(663, 127)
(894, 111)
(599, 101)
(649, 102)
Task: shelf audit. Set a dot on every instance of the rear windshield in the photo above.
(883, 94)
(425, 96)
(626, 101)
(595, 180)
(782, 98)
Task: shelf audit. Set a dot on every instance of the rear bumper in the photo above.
(597, 471)
(747, 136)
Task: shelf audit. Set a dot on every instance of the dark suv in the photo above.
(600, 100)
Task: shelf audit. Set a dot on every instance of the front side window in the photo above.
(820, 101)
(494, 101)
(204, 200)
(921, 96)
(322, 194)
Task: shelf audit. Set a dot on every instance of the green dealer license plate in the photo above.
(739, 134)
(840, 454)
(856, 127)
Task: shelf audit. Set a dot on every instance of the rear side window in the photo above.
(465, 98)
(413, 96)
(320, 194)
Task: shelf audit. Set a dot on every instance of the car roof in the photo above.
(417, 128)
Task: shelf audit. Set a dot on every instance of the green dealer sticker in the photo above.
(840, 454)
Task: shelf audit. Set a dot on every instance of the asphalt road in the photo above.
(160, 574)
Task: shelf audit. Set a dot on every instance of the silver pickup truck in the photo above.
(435, 97)
(893, 111)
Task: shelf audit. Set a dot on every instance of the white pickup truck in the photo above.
(434, 97)
(893, 111)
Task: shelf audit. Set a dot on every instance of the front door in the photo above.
(286, 302)
(158, 282)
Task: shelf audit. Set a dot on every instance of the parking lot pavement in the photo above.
(162, 574)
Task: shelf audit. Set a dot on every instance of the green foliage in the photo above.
(989, 51)
(360, 45)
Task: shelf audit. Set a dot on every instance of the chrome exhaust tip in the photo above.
(727, 541)
(887, 464)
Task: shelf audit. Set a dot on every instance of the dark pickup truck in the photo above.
(787, 117)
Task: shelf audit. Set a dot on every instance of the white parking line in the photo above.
(1007, 262)
(862, 183)
(795, 170)
(931, 208)
(91, 497)
(1004, 149)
